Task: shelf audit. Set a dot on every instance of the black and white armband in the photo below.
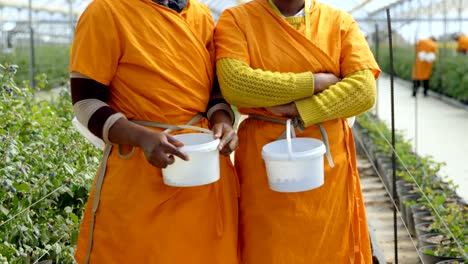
(89, 99)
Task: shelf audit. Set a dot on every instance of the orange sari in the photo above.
(159, 66)
(422, 70)
(325, 225)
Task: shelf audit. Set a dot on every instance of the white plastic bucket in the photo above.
(294, 164)
(203, 166)
(351, 121)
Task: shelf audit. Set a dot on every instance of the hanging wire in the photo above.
(38, 185)
(459, 245)
(368, 155)
(29, 207)
(47, 252)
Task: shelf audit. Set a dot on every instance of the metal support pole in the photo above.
(377, 51)
(32, 82)
(430, 18)
(417, 88)
(416, 124)
(72, 26)
(392, 97)
(444, 43)
(408, 7)
(460, 13)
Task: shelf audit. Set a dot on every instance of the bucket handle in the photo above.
(290, 132)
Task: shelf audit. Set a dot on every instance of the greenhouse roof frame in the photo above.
(389, 6)
(217, 6)
(14, 4)
(64, 13)
(444, 6)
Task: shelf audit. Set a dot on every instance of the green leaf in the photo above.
(74, 218)
(68, 210)
(58, 248)
(22, 187)
(4, 210)
(74, 237)
(69, 169)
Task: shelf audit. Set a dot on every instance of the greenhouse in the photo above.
(112, 112)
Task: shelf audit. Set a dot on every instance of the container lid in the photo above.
(302, 148)
(197, 142)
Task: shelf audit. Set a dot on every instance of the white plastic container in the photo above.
(422, 55)
(351, 121)
(294, 164)
(430, 57)
(203, 166)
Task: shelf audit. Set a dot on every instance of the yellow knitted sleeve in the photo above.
(243, 86)
(353, 95)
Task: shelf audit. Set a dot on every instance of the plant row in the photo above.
(448, 78)
(51, 64)
(46, 171)
(428, 203)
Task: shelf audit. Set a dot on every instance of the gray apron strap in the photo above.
(97, 195)
(324, 134)
(103, 166)
(298, 124)
(168, 128)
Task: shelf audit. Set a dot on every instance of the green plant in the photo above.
(449, 71)
(46, 171)
(455, 218)
(437, 194)
(421, 170)
(51, 61)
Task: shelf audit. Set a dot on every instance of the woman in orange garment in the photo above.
(284, 59)
(426, 51)
(462, 43)
(151, 61)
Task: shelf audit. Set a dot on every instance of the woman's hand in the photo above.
(222, 128)
(324, 80)
(321, 82)
(160, 148)
(286, 110)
